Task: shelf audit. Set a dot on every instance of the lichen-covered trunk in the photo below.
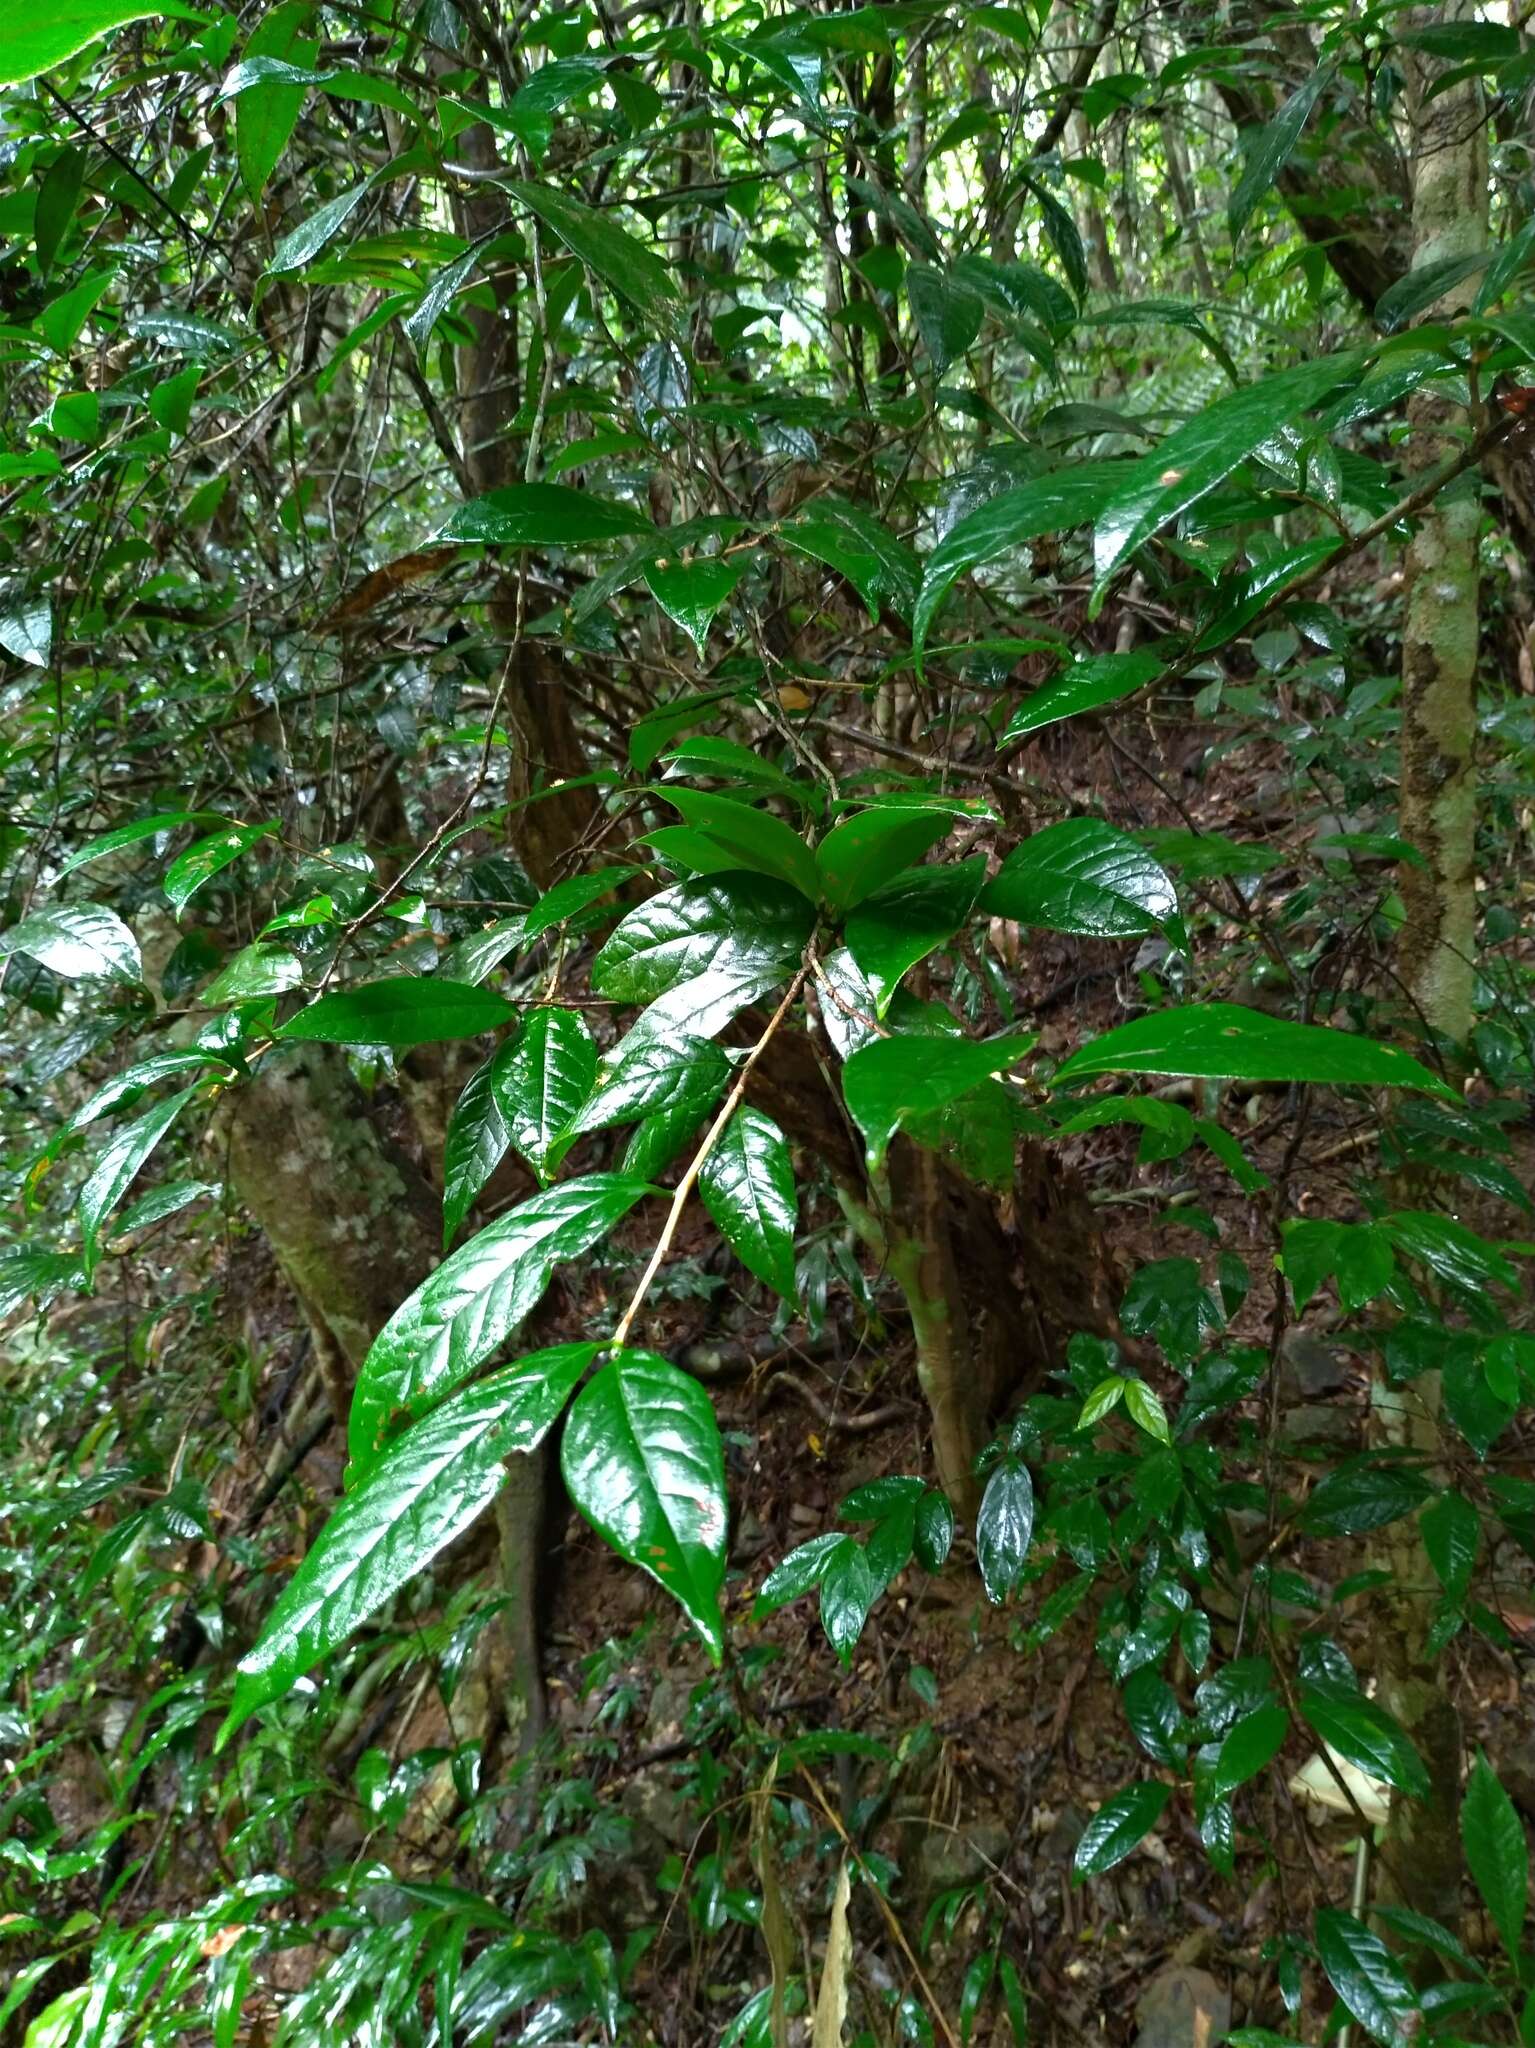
(355, 1228)
(1421, 1864)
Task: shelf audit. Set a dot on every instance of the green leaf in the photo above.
(1104, 1398)
(114, 1172)
(649, 1075)
(542, 1081)
(268, 113)
(542, 516)
(882, 569)
(864, 852)
(1423, 286)
(1004, 1527)
(643, 1461)
(1197, 456)
(1152, 1709)
(933, 1531)
(744, 927)
(1225, 1040)
(1249, 1746)
(255, 971)
(569, 898)
(1452, 1535)
(35, 39)
(948, 314)
(401, 1010)
(903, 922)
(430, 1484)
(1365, 1975)
(693, 593)
(1496, 1854)
(475, 1143)
(747, 1185)
(1050, 504)
(1358, 1498)
(475, 1300)
(1269, 150)
(208, 857)
(1086, 685)
(797, 1574)
(1145, 1407)
(894, 1080)
(296, 251)
(849, 1588)
(1366, 1735)
(80, 942)
(1120, 1825)
(753, 839)
(633, 271)
(26, 630)
(58, 194)
(450, 280)
(1082, 876)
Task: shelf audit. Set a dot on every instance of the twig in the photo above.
(712, 1137)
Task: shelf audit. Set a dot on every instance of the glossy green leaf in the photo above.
(1199, 455)
(694, 593)
(254, 972)
(1119, 1826)
(1360, 1497)
(267, 113)
(1087, 685)
(633, 271)
(1452, 1536)
(118, 1165)
(1367, 1977)
(1249, 1746)
(475, 1142)
(652, 1076)
(933, 1531)
(296, 251)
(569, 898)
(191, 870)
(79, 942)
(400, 1011)
(1497, 1854)
(896, 1080)
(1269, 149)
(1082, 876)
(1004, 1528)
(1152, 1709)
(1366, 1735)
(753, 839)
(908, 918)
(430, 1484)
(542, 516)
(643, 1462)
(542, 1081)
(1144, 1406)
(948, 314)
(797, 1574)
(882, 569)
(744, 926)
(747, 1185)
(474, 1301)
(1227, 1041)
(34, 39)
(849, 1588)
(1051, 504)
(869, 849)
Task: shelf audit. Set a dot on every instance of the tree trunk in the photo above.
(1421, 1859)
(994, 1289)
